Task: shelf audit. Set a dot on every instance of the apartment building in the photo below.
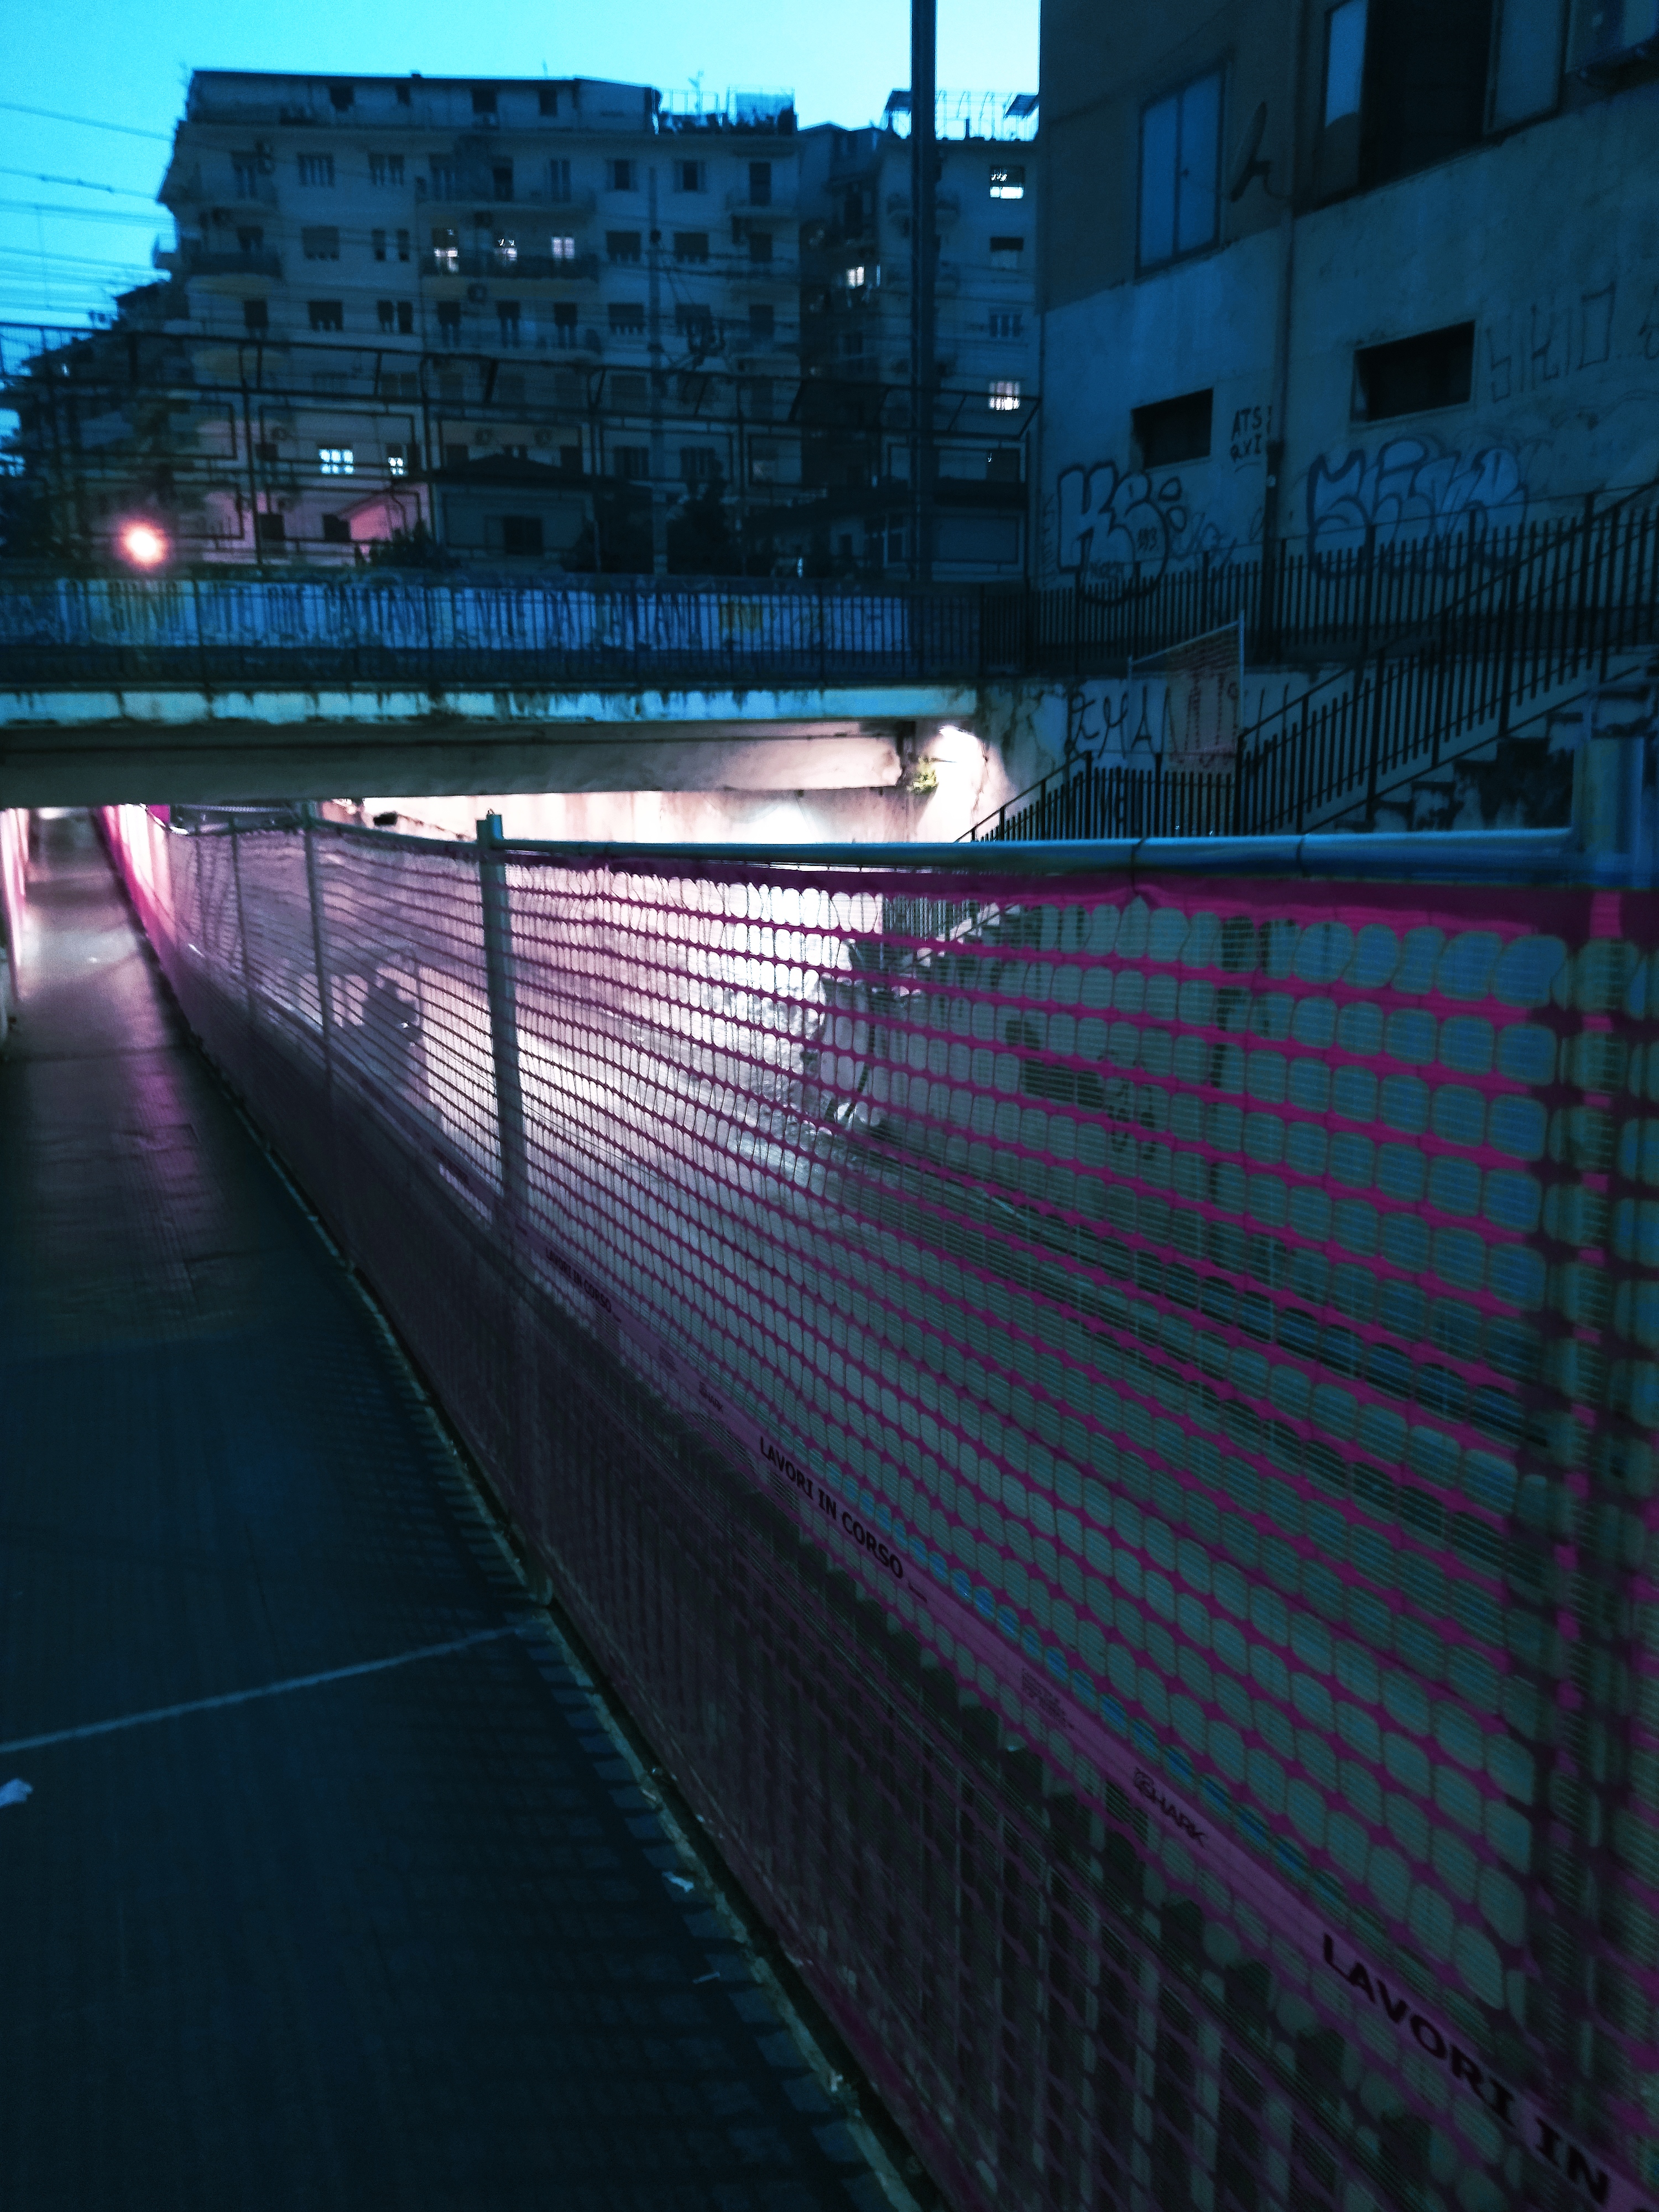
(857, 442)
(1341, 274)
(531, 315)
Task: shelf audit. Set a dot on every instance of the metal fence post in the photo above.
(325, 996)
(241, 923)
(500, 983)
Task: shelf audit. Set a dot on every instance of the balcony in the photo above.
(516, 268)
(782, 202)
(198, 261)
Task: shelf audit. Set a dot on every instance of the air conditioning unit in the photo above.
(1609, 34)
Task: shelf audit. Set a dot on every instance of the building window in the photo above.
(405, 96)
(256, 316)
(320, 245)
(269, 529)
(689, 176)
(504, 249)
(558, 180)
(316, 169)
(564, 324)
(402, 246)
(1007, 181)
(1004, 325)
(447, 253)
(633, 462)
(561, 248)
(762, 462)
(695, 325)
(699, 465)
(386, 312)
(547, 99)
(1173, 431)
(449, 322)
(245, 168)
(623, 246)
(1526, 74)
(521, 534)
(397, 315)
(760, 246)
(335, 460)
(337, 531)
(483, 99)
(445, 182)
(759, 184)
(396, 461)
(853, 278)
(1008, 253)
(690, 245)
(619, 176)
(326, 314)
(341, 97)
(1003, 397)
(627, 319)
(1411, 375)
(386, 168)
(501, 181)
(762, 325)
(1180, 171)
(377, 244)
(1338, 154)
(1345, 60)
(506, 315)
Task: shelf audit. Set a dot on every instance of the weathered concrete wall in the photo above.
(1548, 239)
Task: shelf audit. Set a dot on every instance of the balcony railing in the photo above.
(200, 262)
(519, 268)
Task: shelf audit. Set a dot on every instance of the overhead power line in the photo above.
(90, 213)
(91, 122)
(82, 184)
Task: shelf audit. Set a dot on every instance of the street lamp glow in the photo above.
(143, 544)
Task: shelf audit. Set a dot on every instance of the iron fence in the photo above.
(1520, 634)
(1514, 599)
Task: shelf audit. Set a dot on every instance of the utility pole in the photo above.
(924, 266)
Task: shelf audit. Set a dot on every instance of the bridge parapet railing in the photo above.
(1466, 609)
(1109, 1410)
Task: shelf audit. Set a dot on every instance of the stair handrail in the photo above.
(1507, 570)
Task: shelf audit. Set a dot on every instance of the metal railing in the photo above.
(1433, 637)
(1102, 1421)
(1544, 611)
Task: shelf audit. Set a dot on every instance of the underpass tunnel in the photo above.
(335, 1877)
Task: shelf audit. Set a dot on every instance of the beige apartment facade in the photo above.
(531, 318)
(856, 269)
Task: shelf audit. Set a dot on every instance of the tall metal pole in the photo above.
(924, 266)
(499, 985)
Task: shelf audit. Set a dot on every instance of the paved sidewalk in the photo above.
(402, 1937)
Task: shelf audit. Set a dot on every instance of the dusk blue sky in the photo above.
(123, 62)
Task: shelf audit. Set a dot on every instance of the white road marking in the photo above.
(246, 1697)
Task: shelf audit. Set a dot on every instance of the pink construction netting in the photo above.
(1210, 1327)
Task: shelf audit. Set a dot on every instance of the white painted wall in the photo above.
(1548, 239)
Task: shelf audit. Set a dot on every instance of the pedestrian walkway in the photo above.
(329, 1889)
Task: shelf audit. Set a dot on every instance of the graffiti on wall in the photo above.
(1409, 489)
(1121, 530)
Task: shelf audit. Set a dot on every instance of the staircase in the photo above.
(1469, 723)
(1519, 778)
